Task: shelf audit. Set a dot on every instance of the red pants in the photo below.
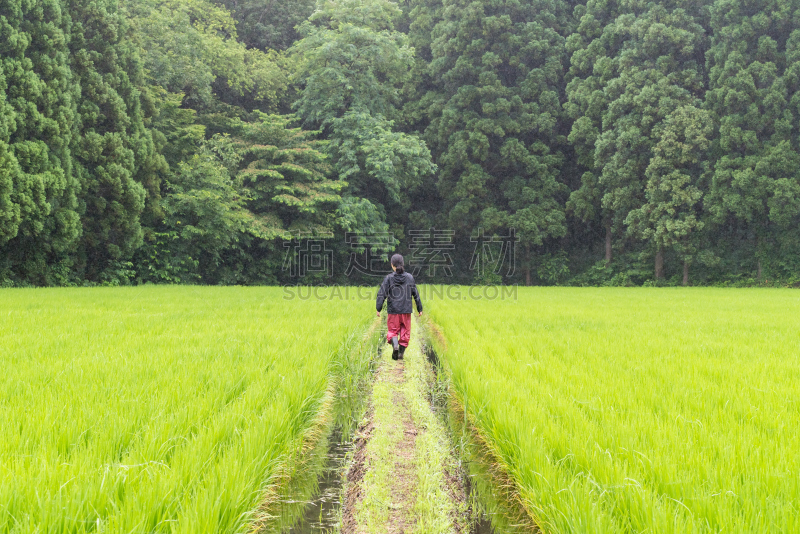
(399, 325)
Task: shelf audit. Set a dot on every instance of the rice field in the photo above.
(178, 409)
(636, 409)
(157, 409)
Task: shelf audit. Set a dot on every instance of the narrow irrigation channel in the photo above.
(308, 499)
(397, 469)
(439, 397)
(492, 488)
(322, 511)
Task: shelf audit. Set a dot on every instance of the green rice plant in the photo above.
(634, 409)
(158, 409)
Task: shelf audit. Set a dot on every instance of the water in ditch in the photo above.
(311, 501)
(321, 512)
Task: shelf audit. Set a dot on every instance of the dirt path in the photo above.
(404, 478)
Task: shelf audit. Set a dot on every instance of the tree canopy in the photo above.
(202, 141)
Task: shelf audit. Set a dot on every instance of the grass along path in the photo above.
(404, 478)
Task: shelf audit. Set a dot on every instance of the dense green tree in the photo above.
(378, 163)
(198, 74)
(114, 153)
(139, 139)
(238, 196)
(39, 220)
(177, 132)
(206, 212)
(9, 170)
(627, 77)
(497, 125)
(352, 65)
(419, 94)
(191, 47)
(753, 95)
(671, 215)
(285, 175)
(267, 24)
(351, 59)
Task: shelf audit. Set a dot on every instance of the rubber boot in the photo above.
(402, 351)
(395, 347)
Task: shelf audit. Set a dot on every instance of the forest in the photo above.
(623, 142)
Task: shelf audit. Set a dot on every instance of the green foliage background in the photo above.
(625, 142)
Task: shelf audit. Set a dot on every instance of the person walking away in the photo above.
(397, 289)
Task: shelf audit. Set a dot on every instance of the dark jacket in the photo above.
(398, 289)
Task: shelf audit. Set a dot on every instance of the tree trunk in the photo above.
(759, 247)
(608, 245)
(685, 273)
(659, 265)
(527, 265)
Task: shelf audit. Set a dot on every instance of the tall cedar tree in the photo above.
(671, 216)
(39, 221)
(115, 158)
(498, 126)
(419, 102)
(632, 66)
(754, 78)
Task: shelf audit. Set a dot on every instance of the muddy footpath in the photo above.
(399, 473)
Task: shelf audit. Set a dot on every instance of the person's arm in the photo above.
(415, 294)
(381, 297)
